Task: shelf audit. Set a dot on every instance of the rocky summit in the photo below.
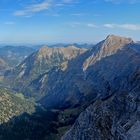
(106, 48)
(117, 117)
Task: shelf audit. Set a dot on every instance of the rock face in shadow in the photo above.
(115, 118)
(37, 126)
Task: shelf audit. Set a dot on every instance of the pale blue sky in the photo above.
(69, 21)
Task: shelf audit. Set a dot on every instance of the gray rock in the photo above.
(116, 118)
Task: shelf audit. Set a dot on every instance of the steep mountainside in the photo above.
(40, 63)
(106, 48)
(116, 118)
(13, 105)
(22, 119)
(47, 58)
(99, 73)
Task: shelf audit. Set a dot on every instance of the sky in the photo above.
(67, 21)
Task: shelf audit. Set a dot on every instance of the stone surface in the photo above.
(116, 118)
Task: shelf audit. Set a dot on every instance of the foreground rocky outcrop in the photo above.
(116, 118)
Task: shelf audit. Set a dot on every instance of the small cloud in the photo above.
(9, 23)
(59, 4)
(75, 24)
(109, 25)
(78, 14)
(114, 1)
(53, 15)
(70, 1)
(92, 25)
(81, 24)
(123, 26)
(31, 9)
(123, 1)
(67, 1)
(130, 26)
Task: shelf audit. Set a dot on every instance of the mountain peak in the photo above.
(118, 39)
(113, 43)
(72, 47)
(107, 47)
(68, 52)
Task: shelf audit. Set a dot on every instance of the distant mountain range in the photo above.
(14, 55)
(3, 65)
(100, 84)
